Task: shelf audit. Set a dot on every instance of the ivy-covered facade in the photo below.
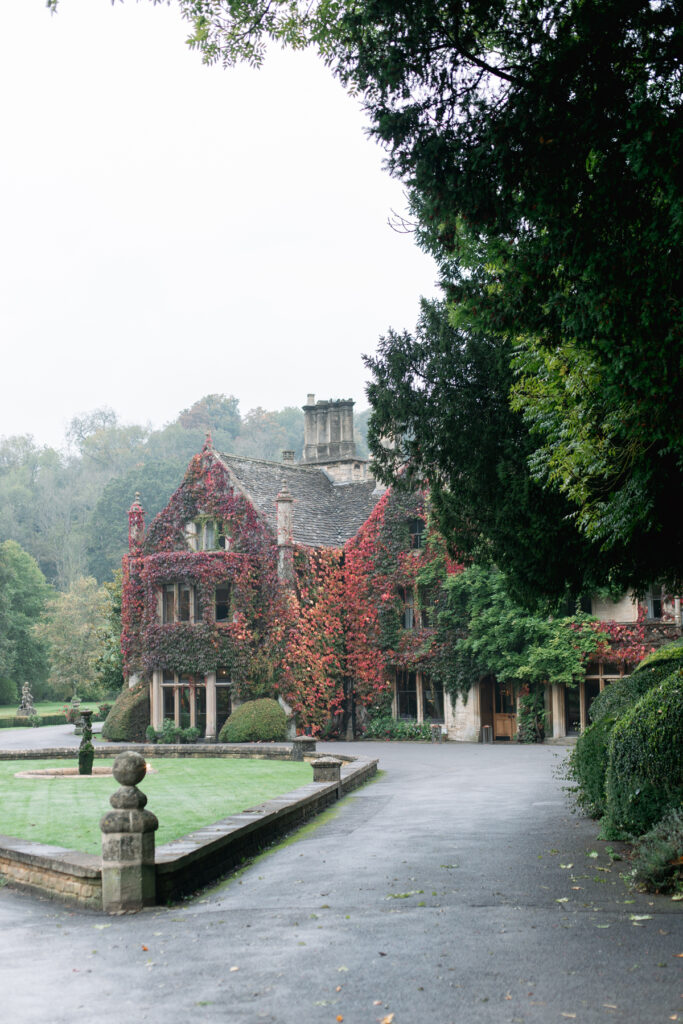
(308, 582)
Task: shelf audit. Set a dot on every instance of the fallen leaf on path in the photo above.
(339, 1017)
(101, 926)
(568, 1015)
(342, 968)
(388, 1019)
(610, 1006)
(640, 917)
(234, 968)
(592, 853)
(563, 899)
(566, 866)
(678, 896)
(146, 949)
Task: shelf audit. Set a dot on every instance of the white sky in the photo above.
(169, 230)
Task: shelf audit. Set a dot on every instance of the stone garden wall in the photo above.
(183, 865)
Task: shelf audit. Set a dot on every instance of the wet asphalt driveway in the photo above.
(457, 887)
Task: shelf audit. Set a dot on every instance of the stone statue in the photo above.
(26, 708)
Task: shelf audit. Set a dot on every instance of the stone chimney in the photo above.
(328, 431)
(136, 526)
(285, 535)
(287, 455)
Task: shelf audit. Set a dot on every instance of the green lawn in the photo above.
(184, 793)
(45, 707)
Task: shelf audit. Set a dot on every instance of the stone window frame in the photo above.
(419, 697)
(207, 535)
(163, 616)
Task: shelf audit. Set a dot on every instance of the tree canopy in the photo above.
(24, 594)
(540, 143)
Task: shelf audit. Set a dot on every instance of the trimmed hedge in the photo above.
(588, 765)
(658, 855)
(253, 721)
(619, 696)
(129, 717)
(17, 723)
(645, 770)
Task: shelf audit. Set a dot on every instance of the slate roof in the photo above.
(325, 514)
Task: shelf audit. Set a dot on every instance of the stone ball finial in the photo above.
(129, 768)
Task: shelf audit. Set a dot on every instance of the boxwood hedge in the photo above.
(645, 759)
(129, 716)
(616, 698)
(255, 720)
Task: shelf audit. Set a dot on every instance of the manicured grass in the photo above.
(46, 707)
(184, 793)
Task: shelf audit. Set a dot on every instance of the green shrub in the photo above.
(384, 727)
(190, 735)
(619, 696)
(658, 855)
(531, 716)
(150, 734)
(588, 766)
(645, 759)
(256, 720)
(16, 723)
(35, 720)
(129, 717)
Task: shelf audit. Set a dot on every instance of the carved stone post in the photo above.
(302, 745)
(328, 769)
(128, 879)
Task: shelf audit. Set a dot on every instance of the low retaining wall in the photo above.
(186, 864)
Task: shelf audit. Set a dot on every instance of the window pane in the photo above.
(209, 534)
(222, 604)
(406, 694)
(184, 604)
(416, 531)
(169, 604)
(169, 703)
(432, 700)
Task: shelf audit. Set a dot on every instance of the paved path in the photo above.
(458, 887)
(44, 736)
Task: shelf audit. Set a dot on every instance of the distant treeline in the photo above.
(68, 508)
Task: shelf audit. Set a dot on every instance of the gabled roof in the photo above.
(325, 513)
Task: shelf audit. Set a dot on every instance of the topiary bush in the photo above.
(129, 717)
(588, 766)
(658, 855)
(619, 696)
(645, 759)
(256, 720)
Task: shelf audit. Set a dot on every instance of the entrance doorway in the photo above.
(497, 708)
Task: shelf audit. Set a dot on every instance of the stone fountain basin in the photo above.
(68, 773)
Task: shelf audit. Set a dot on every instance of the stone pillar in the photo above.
(328, 769)
(157, 709)
(302, 745)
(559, 717)
(136, 526)
(128, 878)
(285, 535)
(211, 714)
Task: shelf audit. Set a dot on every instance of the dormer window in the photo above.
(416, 529)
(207, 535)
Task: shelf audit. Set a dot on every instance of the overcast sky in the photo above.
(170, 230)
